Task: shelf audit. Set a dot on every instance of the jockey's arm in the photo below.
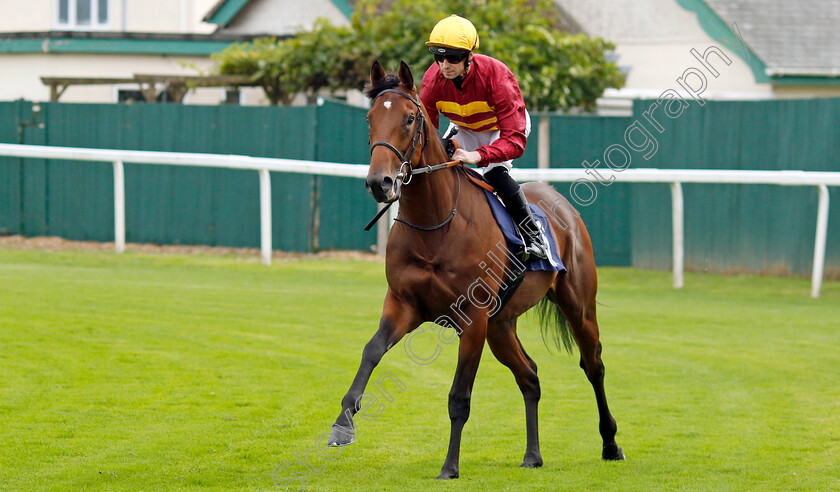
(512, 122)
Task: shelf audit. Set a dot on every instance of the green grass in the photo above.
(138, 372)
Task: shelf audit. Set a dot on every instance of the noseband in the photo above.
(405, 159)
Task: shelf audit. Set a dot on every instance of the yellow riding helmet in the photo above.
(454, 32)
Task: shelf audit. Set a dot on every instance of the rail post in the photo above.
(265, 216)
(819, 242)
(678, 233)
(119, 207)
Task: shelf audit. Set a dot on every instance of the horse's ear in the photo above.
(377, 73)
(405, 76)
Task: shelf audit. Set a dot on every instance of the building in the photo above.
(275, 18)
(94, 50)
(767, 48)
(778, 48)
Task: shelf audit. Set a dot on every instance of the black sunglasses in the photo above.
(453, 59)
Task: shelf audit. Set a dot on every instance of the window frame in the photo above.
(72, 23)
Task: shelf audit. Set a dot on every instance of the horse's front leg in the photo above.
(469, 355)
(397, 319)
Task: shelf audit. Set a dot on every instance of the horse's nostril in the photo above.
(387, 183)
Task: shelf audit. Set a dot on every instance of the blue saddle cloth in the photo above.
(515, 243)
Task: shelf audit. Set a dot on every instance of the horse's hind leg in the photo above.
(590, 362)
(508, 349)
(397, 320)
(577, 302)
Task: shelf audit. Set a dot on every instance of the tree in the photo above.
(263, 61)
(555, 70)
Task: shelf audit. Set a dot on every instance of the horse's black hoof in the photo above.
(613, 452)
(341, 436)
(531, 462)
(447, 475)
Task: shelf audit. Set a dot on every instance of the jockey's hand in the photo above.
(465, 156)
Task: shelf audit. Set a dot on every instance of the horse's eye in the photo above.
(410, 120)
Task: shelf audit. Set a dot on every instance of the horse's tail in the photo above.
(554, 326)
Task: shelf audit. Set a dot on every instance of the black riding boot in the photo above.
(536, 243)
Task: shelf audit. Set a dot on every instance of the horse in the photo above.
(437, 251)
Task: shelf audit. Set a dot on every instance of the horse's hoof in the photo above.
(613, 452)
(446, 475)
(531, 462)
(341, 436)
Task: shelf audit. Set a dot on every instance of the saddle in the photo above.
(513, 239)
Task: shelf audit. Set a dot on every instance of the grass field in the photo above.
(140, 372)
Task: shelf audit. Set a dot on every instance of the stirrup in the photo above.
(537, 245)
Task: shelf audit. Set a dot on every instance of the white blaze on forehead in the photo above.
(387, 104)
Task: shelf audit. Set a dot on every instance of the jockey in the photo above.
(481, 97)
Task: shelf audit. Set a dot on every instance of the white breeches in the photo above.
(470, 140)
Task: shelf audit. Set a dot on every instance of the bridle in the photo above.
(419, 125)
(406, 162)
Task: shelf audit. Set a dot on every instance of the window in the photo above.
(83, 14)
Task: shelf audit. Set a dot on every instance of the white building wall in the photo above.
(656, 66)
(653, 39)
(21, 76)
(284, 17)
(198, 9)
(171, 16)
(26, 16)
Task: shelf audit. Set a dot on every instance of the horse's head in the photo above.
(396, 130)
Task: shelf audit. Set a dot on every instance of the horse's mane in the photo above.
(390, 81)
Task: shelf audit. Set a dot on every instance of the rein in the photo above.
(428, 169)
(451, 214)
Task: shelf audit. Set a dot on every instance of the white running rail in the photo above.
(675, 177)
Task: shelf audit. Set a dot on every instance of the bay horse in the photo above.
(435, 254)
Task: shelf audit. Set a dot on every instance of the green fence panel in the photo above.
(80, 195)
(529, 158)
(575, 139)
(344, 205)
(24, 206)
(650, 214)
(35, 175)
(729, 228)
(174, 204)
(740, 228)
(11, 169)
